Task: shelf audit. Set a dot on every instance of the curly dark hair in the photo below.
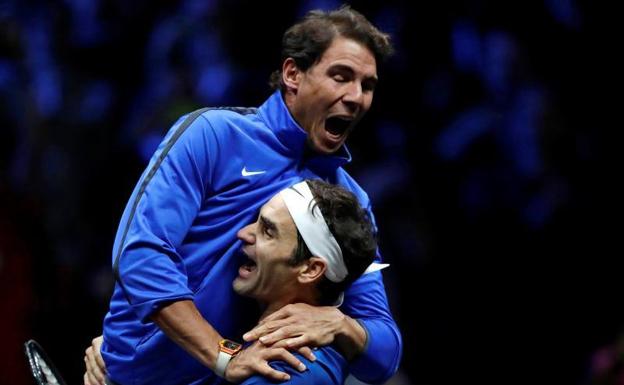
(351, 226)
(307, 40)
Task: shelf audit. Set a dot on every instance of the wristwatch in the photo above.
(227, 350)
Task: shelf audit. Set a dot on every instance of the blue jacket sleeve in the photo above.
(366, 302)
(158, 215)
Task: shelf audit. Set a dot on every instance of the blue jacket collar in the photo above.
(277, 116)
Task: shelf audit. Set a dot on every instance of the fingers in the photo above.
(300, 343)
(272, 374)
(263, 329)
(91, 380)
(256, 358)
(307, 353)
(279, 334)
(255, 333)
(251, 335)
(95, 374)
(289, 358)
(284, 316)
(284, 355)
(97, 342)
(97, 349)
(294, 343)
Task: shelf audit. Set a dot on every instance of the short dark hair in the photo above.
(351, 226)
(307, 40)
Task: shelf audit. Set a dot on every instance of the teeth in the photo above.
(249, 267)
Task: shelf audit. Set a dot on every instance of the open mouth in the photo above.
(248, 267)
(338, 125)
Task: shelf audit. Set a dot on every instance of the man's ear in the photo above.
(312, 270)
(291, 75)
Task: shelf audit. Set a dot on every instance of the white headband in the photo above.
(313, 229)
(315, 232)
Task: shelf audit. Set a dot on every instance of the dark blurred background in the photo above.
(489, 155)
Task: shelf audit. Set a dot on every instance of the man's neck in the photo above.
(274, 306)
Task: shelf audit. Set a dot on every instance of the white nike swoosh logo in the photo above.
(250, 173)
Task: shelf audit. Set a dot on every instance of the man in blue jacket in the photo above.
(175, 252)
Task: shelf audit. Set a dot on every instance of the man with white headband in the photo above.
(309, 243)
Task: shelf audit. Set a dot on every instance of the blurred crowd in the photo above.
(487, 155)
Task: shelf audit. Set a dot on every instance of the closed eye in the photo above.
(342, 74)
(267, 227)
(369, 85)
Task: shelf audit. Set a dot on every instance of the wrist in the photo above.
(342, 325)
(183, 324)
(227, 351)
(351, 339)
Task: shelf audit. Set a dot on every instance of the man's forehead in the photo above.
(276, 211)
(350, 53)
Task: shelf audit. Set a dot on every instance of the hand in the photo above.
(298, 325)
(95, 366)
(255, 359)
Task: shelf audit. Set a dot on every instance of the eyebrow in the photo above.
(346, 68)
(268, 224)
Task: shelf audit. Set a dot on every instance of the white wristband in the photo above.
(223, 359)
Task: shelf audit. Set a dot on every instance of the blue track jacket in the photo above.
(177, 240)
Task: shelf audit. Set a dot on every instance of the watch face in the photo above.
(231, 345)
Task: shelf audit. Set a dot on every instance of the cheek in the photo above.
(368, 100)
(325, 92)
(274, 280)
(269, 281)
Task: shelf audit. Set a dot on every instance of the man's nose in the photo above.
(247, 234)
(354, 97)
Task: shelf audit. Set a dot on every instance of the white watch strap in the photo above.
(223, 359)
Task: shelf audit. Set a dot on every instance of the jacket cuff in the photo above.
(145, 310)
(381, 355)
